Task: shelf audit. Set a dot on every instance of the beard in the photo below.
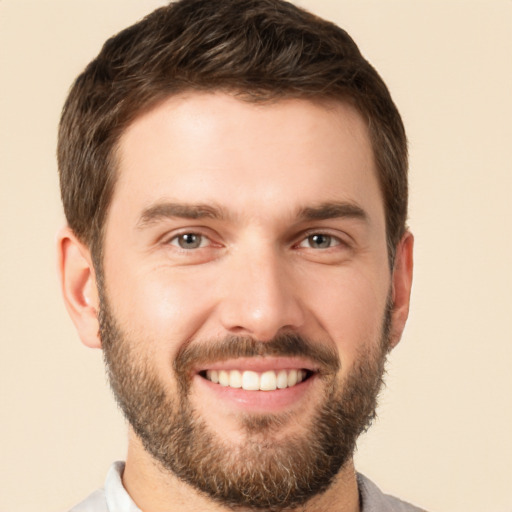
(266, 471)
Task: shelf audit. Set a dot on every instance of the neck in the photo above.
(154, 489)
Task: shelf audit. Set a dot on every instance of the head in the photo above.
(234, 179)
(258, 50)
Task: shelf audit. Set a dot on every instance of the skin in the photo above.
(261, 166)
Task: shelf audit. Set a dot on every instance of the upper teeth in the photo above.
(254, 381)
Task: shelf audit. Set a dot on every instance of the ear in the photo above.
(401, 287)
(78, 285)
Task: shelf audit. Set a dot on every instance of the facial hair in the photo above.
(264, 472)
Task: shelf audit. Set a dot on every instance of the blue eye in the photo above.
(189, 241)
(320, 241)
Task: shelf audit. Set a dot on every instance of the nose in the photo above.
(260, 297)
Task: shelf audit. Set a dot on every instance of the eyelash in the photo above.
(180, 236)
(332, 240)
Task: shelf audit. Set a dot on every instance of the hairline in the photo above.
(248, 95)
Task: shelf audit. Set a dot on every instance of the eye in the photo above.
(320, 241)
(189, 241)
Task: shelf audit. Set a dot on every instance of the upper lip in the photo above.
(261, 364)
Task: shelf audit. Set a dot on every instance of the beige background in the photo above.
(443, 439)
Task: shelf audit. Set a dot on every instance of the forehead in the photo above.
(251, 158)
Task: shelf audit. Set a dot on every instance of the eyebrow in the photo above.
(333, 210)
(169, 210)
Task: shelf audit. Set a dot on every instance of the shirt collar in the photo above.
(115, 494)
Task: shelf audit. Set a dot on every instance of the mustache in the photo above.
(199, 354)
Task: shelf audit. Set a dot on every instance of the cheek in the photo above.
(163, 308)
(351, 309)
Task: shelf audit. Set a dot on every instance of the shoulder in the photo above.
(374, 500)
(95, 502)
(112, 497)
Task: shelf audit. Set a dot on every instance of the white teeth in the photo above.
(224, 378)
(268, 381)
(250, 381)
(213, 375)
(235, 379)
(253, 381)
(282, 379)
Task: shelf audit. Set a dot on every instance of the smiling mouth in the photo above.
(257, 381)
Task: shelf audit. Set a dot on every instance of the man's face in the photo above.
(246, 244)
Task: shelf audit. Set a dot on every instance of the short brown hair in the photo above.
(260, 50)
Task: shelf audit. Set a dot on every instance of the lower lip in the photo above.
(275, 401)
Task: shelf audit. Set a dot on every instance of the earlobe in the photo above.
(78, 285)
(401, 287)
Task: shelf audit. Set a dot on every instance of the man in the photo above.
(234, 177)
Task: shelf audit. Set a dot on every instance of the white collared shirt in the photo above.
(113, 497)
